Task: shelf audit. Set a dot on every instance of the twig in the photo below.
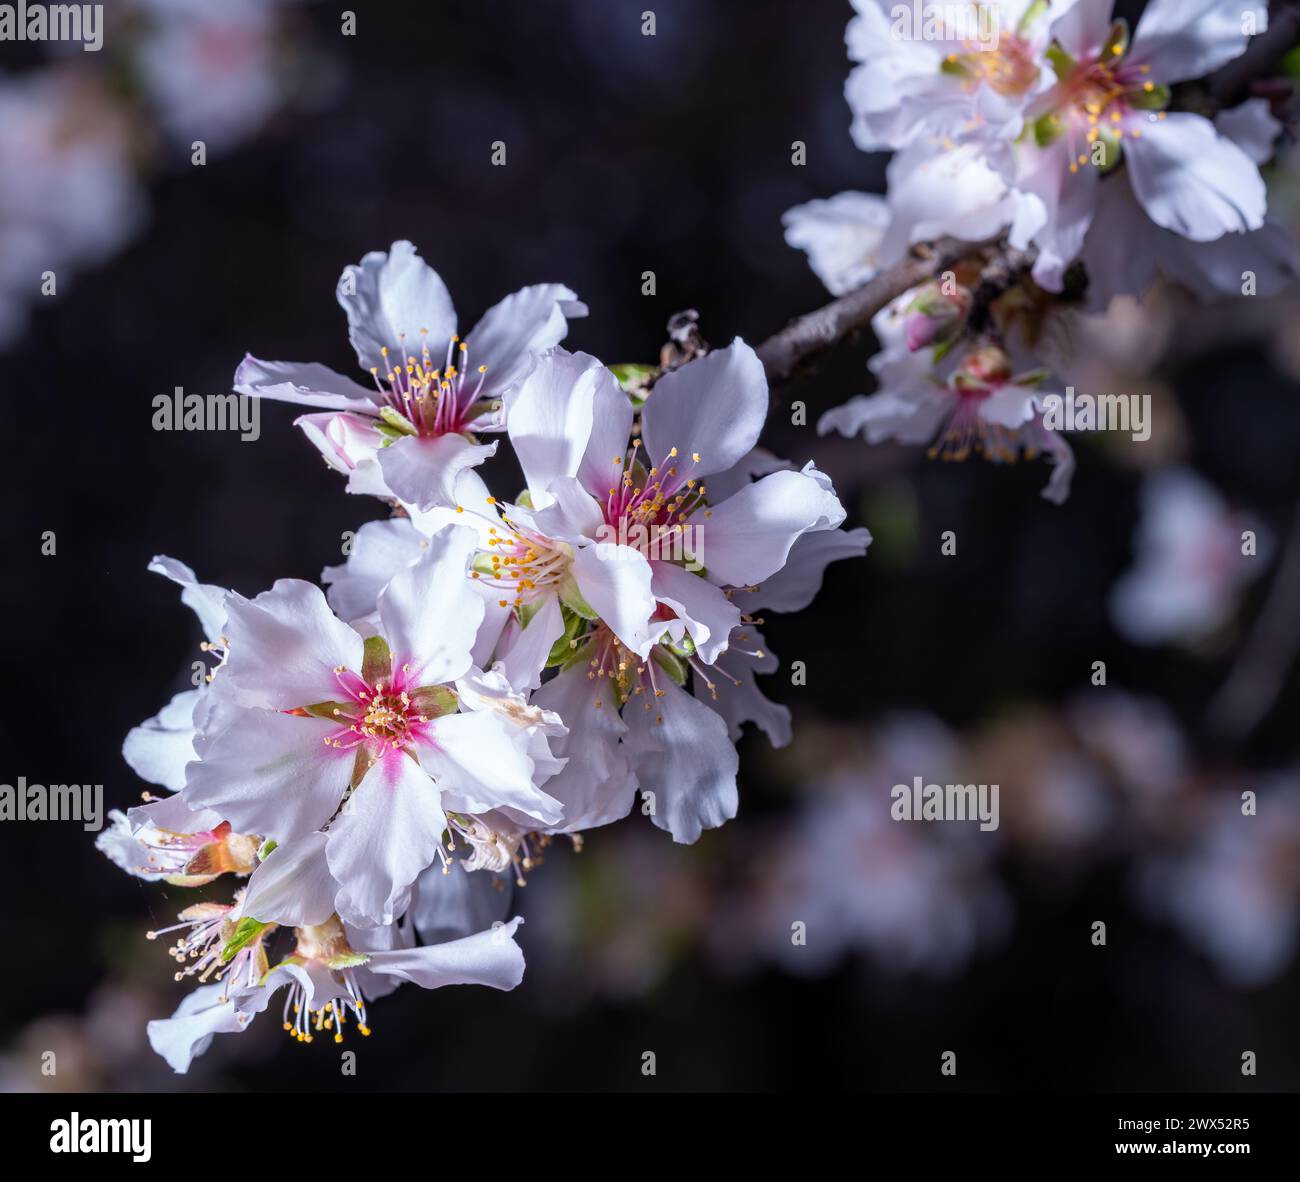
(783, 353)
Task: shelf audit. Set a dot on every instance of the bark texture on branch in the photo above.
(783, 353)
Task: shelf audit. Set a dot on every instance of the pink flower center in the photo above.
(433, 401)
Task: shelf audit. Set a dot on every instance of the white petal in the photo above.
(796, 584)
(596, 785)
(841, 236)
(379, 550)
(159, 748)
(489, 958)
(450, 902)
(431, 612)
(304, 382)
(550, 417)
(389, 830)
(714, 405)
(708, 614)
(205, 600)
(738, 704)
(524, 651)
(1182, 39)
(1251, 127)
(268, 773)
(284, 647)
(426, 472)
(1193, 181)
(392, 296)
(615, 581)
(481, 763)
(512, 332)
(184, 1036)
(293, 886)
(748, 537)
(684, 756)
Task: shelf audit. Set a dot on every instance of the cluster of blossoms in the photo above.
(378, 764)
(1045, 126)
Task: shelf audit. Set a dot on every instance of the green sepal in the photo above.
(267, 849)
(1116, 43)
(246, 931)
(955, 67)
(397, 421)
(433, 701)
(563, 648)
(1047, 130)
(525, 499)
(326, 709)
(376, 662)
(1031, 15)
(1155, 99)
(572, 598)
(347, 960)
(670, 663)
(1060, 61)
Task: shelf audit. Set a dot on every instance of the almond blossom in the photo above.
(360, 745)
(434, 394)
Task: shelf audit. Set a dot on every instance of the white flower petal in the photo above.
(513, 331)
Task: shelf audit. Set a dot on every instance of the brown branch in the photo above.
(783, 353)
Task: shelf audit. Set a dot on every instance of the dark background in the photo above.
(626, 153)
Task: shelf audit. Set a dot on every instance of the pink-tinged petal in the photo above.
(714, 406)
(512, 333)
(524, 651)
(389, 299)
(1181, 39)
(489, 958)
(759, 462)
(293, 886)
(159, 748)
(388, 831)
(684, 756)
(550, 417)
(205, 600)
(345, 440)
(797, 583)
(430, 611)
(748, 537)
(709, 616)
(739, 704)
(615, 582)
(303, 382)
(426, 472)
(1192, 180)
(284, 647)
(596, 785)
(481, 762)
(379, 550)
(184, 1036)
(268, 773)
